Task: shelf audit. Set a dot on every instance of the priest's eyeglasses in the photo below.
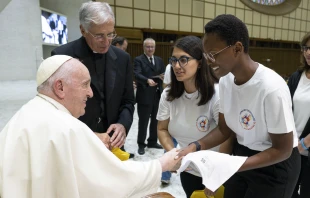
(305, 48)
(99, 37)
(210, 56)
(183, 60)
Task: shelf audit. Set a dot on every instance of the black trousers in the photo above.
(275, 181)
(303, 183)
(145, 111)
(190, 183)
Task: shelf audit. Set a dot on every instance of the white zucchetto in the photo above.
(49, 66)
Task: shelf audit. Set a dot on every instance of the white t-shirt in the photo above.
(167, 77)
(188, 121)
(260, 106)
(301, 102)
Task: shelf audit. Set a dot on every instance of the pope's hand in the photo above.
(169, 161)
(105, 138)
(119, 136)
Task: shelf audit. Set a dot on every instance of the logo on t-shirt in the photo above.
(247, 120)
(202, 123)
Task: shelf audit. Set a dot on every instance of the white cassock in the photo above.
(47, 153)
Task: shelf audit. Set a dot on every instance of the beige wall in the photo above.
(192, 15)
(20, 40)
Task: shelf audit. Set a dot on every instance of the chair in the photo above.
(201, 194)
(159, 195)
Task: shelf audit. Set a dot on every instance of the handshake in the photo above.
(170, 161)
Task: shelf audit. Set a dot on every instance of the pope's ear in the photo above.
(58, 88)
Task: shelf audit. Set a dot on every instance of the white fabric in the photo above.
(45, 152)
(261, 105)
(301, 102)
(215, 168)
(187, 118)
(167, 77)
(49, 66)
(188, 121)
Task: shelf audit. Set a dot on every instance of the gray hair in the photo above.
(149, 40)
(96, 13)
(64, 73)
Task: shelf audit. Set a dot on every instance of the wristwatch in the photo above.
(198, 146)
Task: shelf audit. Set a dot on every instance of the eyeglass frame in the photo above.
(210, 56)
(305, 47)
(149, 47)
(99, 37)
(178, 60)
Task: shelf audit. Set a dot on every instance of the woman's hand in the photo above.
(189, 149)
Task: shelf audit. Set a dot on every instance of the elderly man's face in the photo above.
(149, 48)
(96, 36)
(78, 90)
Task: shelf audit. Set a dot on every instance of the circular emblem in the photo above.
(202, 123)
(246, 119)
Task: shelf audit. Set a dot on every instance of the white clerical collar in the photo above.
(53, 102)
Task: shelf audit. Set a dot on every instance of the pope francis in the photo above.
(46, 152)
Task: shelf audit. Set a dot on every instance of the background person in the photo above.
(112, 107)
(146, 66)
(46, 151)
(167, 76)
(299, 85)
(189, 107)
(120, 42)
(255, 104)
(165, 178)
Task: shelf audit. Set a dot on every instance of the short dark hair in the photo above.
(304, 65)
(118, 40)
(230, 29)
(205, 78)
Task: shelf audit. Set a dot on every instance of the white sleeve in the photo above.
(221, 95)
(95, 164)
(216, 110)
(167, 77)
(278, 111)
(216, 104)
(164, 107)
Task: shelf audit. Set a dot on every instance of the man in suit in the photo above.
(120, 42)
(148, 71)
(110, 111)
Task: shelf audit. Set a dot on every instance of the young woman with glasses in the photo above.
(189, 106)
(255, 105)
(299, 85)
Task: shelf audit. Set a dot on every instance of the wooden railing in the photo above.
(283, 61)
(281, 56)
